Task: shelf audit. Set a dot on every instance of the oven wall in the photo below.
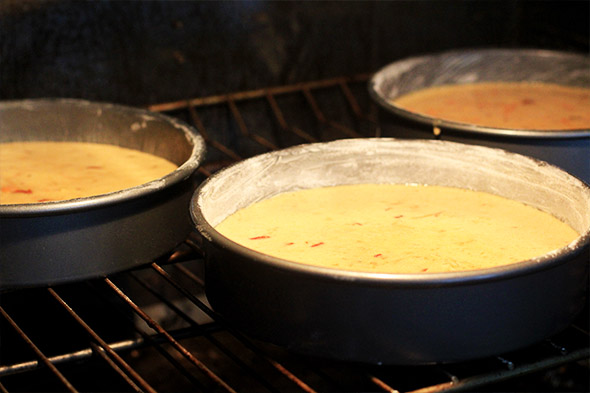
(144, 52)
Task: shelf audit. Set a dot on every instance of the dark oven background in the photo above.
(153, 53)
(141, 53)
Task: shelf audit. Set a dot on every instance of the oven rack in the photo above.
(151, 329)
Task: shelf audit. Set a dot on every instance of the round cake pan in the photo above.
(567, 149)
(394, 318)
(56, 242)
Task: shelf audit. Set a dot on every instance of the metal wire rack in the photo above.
(152, 330)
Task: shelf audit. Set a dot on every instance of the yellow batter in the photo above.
(538, 106)
(32, 172)
(396, 228)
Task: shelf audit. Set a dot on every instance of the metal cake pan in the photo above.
(56, 242)
(394, 318)
(567, 149)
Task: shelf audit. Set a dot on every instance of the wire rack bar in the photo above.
(258, 93)
(97, 339)
(283, 370)
(119, 347)
(43, 359)
(154, 325)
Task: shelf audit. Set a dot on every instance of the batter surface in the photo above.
(396, 228)
(535, 106)
(32, 172)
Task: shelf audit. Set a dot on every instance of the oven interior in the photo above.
(151, 329)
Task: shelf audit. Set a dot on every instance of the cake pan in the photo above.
(394, 318)
(567, 149)
(57, 242)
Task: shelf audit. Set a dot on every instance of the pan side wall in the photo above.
(379, 322)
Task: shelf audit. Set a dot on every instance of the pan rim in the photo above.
(546, 261)
(379, 76)
(182, 172)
